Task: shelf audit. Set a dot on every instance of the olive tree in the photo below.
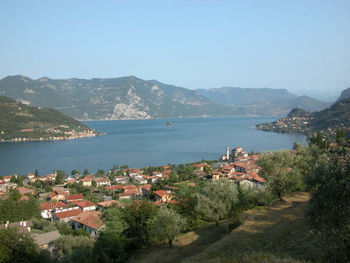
(167, 224)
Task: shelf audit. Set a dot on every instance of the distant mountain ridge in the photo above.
(134, 98)
(232, 96)
(264, 101)
(112, 98)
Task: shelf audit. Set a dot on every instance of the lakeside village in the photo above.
(78, 200)
(59, 133)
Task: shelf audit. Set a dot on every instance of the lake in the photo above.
(140, 143)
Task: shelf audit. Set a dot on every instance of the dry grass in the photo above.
(278, 233)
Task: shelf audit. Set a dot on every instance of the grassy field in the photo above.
(278, 233)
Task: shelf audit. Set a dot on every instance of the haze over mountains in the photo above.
(134, 98)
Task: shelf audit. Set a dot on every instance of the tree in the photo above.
(86, 172)
(167, 224)
(60, 177)
(113, 220)
(216, 200)
(36, 173)
(340, 136)
(75, 172)
(110, 248)
(19, 247)
(71, 247)
(279, 171)
(136, 216)
(329, 210)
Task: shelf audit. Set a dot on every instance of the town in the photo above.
(79, 200)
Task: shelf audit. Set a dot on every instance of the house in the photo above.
(85, 205)
(166, 173)
(227, 170)
(106, 204)
(88, 220)
(146, 189)
(134, 172)
(130, 193)
(56, 197)
(102, 181)
(60, 190)
(7, 178)
(87, 180)
(140, 180)
(248, 179)
(48, 208)
(67, 215)
(121, 179)
(22, 226)
(158, 174)
(25, 190)
(163, 196)
(199, 166)
(30, 176)
(73, 198)
(153, 179)
(47, 240)
(216, 175)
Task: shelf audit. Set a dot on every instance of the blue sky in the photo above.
(302, 46)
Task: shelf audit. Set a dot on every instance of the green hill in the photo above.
(300, 121)
(19, 122)
(279, 233)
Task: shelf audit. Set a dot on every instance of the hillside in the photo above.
(300, 121)
(278, 233)
(344, 94)
(111, 99)
(134, 98)
(19, 122)
(264, 101)
(237, 96)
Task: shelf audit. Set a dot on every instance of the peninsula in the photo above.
(20, 123)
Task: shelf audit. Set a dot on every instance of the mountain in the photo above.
(134, 98)
(264, 101)
(326, 121)
(237, 96)
(345, 94)
(20, 122)
(112, 98)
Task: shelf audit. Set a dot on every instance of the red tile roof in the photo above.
(84, 203)
(199, 165)
(90, 219)
(74, 197)
(160, 193)
(146, 187)
(52, 205)
(256, 177)
(108, 203)
(24, 190)
(70, 213)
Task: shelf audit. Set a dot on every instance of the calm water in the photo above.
(143, 143)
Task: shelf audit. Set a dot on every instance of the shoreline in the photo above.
(48, 140)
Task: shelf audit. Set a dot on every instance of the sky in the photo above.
(302, 46)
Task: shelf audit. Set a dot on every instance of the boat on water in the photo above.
(169, 124)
